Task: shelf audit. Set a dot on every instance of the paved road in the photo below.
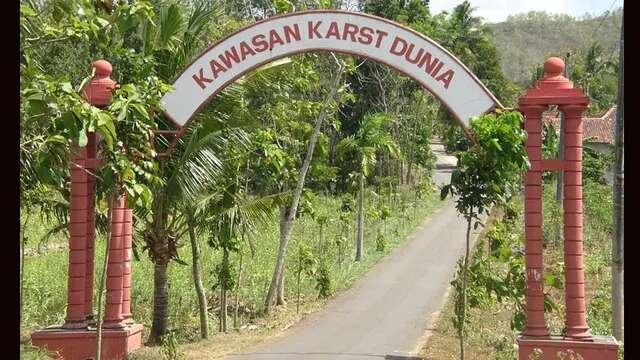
(385, 314)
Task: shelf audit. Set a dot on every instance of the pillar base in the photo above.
(537, 332)
(75, 325)
(601, 348)
(81, 344)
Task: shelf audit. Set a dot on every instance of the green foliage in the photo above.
(170, 349)
(381, 241)
(596, 73)
(63, 118)
(489, 173)
(454, 139)
(598, 207)
(552, 218)
(323, 281)
(595, 164)
(44, 294)
(370, 139)
(307, 263)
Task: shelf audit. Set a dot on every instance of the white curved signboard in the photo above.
(359, 34)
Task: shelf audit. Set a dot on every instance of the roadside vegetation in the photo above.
(332, 248)
(497, 275)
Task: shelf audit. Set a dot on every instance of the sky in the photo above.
(498, 10)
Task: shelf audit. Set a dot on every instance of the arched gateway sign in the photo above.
(363, 35)
(378, 39)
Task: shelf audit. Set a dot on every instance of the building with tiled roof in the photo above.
(596, 130)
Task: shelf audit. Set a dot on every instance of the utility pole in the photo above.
(560, 182)
(617, 271)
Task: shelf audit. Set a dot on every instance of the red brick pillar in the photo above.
(576, 324)
(78, 203)
(91, 227)
(126, 282)
(536, 325)
(115, 268)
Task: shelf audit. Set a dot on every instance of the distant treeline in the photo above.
(525, 40)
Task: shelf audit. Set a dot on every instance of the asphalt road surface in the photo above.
(386, 313)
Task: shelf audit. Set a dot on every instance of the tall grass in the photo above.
(46, 274)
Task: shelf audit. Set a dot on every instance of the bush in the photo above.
(595, 165)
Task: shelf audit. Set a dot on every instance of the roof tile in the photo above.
(598, 129)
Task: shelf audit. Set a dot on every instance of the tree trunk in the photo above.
(299, 275)
(617, 286)
(223, 293)
(160, 303)
(197, 280)
(360, 238)
(464, 289)
(280, 295)
(160, 253)
(238, 287)
(103, 284)
(560, 182)
(23, 245)
(222, 314)
(283, 225)
(279, 269)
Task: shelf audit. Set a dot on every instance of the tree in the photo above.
(366, 143)
(498, 149)
(125, 126)
(617, 271)
(231, 214)
(288, 224)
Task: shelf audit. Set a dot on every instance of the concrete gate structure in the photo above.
(76, 338)
(362, 35)
(555, 89)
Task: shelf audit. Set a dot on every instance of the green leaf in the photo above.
(106, 128)
(283, 6)
(67, 88)
(27, 11)
(82, 138)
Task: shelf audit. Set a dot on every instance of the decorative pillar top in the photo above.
(553, 69)
(553, 88)
(553, 78)
(98, 91)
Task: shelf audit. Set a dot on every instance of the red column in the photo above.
(576, 324)
(91, 228)
(536, 325)
(128, 243)
(78, 203)
(113, 313)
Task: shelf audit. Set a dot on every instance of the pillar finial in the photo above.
(103, 68)
(98, 91)
(553, 67)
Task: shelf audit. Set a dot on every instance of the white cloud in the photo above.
(499, 10)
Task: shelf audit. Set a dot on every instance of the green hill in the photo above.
(526, 40)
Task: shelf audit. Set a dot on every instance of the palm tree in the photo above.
(370, 138)
(192, 168)
(230, 214)
(194, 164)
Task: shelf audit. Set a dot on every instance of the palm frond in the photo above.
(171, 24)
